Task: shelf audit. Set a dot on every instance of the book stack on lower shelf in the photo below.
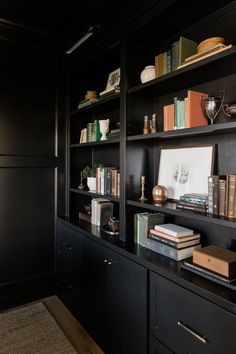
(102, 211)
(214, 263)
(143, 222)
(193, 201)
(174, 241)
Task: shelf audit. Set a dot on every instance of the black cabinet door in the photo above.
(156, 347)
(188, 323)
(116, 301)
(70, 269)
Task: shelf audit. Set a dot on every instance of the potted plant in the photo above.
(90, 174)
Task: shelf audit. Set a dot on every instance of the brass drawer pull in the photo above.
(186, 327)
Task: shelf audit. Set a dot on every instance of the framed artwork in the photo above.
(113, 79)
(186, 170)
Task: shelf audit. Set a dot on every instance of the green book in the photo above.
(187, 47)
(180, 113)
(97, 132)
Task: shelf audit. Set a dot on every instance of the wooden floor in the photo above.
(76, 334)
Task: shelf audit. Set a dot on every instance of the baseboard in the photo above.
(26, 290)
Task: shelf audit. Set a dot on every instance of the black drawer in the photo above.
(156, 347)
(187, 322)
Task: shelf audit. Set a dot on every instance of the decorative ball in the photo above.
(148, 73)
(159, 194)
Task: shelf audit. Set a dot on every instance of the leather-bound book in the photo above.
(194, 115)
(169, 117)
(231, 196)
(222, 196)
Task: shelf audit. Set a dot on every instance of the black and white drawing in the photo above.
(185, 170)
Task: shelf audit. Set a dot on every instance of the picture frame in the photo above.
(186, 169)
(113, 79)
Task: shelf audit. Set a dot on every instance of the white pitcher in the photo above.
(104, 128)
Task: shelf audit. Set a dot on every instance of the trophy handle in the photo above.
(225, 106)
(222, 95)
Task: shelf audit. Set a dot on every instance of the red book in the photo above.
(169, 117)
(194, 115)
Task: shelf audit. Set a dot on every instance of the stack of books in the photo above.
(185, 112)
(214, 263)
(173, 241)
(222, 195)
(143, 222)
(102, 211)
(87, 102)
(193, 201)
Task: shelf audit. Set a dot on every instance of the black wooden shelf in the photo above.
(168, 81)
(102, 101)
(93, 194)
(171, 208)
(220, 128)
(95, 143)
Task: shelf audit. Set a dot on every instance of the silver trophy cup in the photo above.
(211, 106)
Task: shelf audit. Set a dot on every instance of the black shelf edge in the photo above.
(96, 104)
(95, 143)
(179, 72)
(204, 130)
(170, 208)
(92, 194)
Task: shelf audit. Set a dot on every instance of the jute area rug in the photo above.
(32, 330)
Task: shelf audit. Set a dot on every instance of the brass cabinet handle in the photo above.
(189, 330)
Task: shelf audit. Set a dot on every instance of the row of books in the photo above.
(108, 180)
(175, 56)
(87, 102)
(194, 201)
(102, 211)
(222, 195)
(143, 222)
(91, 133)
(185, 112)
(173, 241)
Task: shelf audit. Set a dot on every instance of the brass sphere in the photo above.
(159, 194)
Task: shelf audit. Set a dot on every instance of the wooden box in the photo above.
(218, 259)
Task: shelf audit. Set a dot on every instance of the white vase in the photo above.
(91, 183)
(148, 73)
(104, 128)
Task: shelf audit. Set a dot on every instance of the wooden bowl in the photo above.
(209, 43)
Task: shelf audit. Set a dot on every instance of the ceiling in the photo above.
(67, 20)
(62, 17)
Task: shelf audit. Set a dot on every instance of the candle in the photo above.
(143, 179)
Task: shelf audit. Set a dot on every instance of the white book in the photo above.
(174, 230)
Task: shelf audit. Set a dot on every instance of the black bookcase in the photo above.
(137, 154)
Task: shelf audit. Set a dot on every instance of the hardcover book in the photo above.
(171, 252)
(177, 245)
(194, 116)
(174, 230)
(173, 238)
(169, 117)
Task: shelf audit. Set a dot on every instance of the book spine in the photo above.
(231, 197)
(168, 61)
(102, 181)
(197, 201)
(192, 207)
(210, 195)
(222, 185)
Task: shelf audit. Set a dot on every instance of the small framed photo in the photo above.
(186, 170)
(113, 79)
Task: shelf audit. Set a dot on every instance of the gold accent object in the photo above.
(142, 198)
(159, 194)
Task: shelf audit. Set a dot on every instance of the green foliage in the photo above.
(90, 171)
